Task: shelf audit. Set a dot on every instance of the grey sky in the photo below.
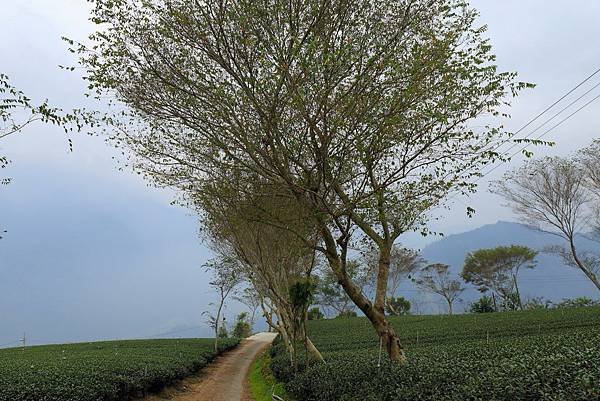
(93, 252)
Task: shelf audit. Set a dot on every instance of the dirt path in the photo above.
(224, 379)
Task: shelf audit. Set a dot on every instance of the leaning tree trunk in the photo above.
(375, 313)
(582, 266)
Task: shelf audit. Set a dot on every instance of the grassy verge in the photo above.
(262, 382)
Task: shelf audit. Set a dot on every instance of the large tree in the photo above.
(437, 279)
(550, 194)
(496, 269)
(361, 108)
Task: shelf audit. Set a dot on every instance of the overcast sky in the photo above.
(93, 252)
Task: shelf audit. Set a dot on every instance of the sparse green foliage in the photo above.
(17, 111)
(361, 109)
(315, 314)
(437, 279)
(242, 327)
(398, 306)
(485, 304)
(223, 332)
(496, 269)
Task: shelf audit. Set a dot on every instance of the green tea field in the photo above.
(100, 371)
(535, 355)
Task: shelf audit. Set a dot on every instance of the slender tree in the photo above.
(331, 295)
(589, 159)
(550, 194)
(360, 108)
(437, 279)
(249, 297)
(496, 269)
(226, 278)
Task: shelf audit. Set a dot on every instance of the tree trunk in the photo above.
(314, 351)
(217, 326)
(582, 266)
(449, 307)
(376, 315)
(517, 292)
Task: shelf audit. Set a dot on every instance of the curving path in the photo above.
(224, 379)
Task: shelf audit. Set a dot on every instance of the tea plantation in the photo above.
(536, 355)
(100, 371)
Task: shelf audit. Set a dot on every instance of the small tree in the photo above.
(225, 279)
(315, 314)
(496, 269)
(398, 306)
(436, 278)
(550, 194)
(242, 327)
(249, 297)
(485, 304)
(223, 333)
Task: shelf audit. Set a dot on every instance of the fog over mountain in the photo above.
(550, 279)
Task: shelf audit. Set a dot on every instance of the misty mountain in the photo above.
(550, 279)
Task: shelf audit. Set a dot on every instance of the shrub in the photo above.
(242, 328)
(315, 314)
(485, 304)
(539, 355)
(577, 303)
(397, 306)
(346, 314)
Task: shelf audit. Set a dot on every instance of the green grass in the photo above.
(100, 371)
(262, 382)
(537, 355)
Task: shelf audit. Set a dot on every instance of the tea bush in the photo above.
(535, 355)
(100, 371)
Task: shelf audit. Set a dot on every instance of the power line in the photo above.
(547, 121)
(550, 119)
(558, 101)
(540, 136)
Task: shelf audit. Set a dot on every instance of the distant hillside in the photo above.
(551, 279)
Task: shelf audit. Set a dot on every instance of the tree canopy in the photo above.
(361, 108)
(496, 269)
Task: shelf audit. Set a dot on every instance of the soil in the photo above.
(225, 379)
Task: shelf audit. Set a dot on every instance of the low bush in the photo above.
(548, 355)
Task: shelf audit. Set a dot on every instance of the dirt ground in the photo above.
(225, 379)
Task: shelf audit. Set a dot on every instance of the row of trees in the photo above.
(302, 131)
(493, 270)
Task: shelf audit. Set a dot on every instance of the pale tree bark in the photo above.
(551, 195)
